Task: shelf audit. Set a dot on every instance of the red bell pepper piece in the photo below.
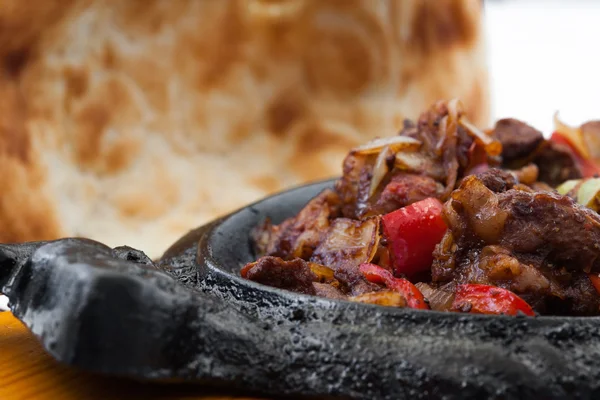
(485, 299)
(587, 166)
(412, 233)
(246, 268)
(595, 281)
(376, 274)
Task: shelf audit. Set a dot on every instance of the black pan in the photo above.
(190, 317)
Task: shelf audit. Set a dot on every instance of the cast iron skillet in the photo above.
(190, 317)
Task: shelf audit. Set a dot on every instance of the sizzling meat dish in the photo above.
(447, 217)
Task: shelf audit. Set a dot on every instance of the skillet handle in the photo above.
(92, 307)
(12, 258)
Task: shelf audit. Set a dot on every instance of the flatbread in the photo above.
(132, 122)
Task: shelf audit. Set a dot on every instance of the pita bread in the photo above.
(132, 122)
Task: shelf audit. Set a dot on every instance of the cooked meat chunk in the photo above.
(556, 164)
(353, 186)
(523, 144)
(545, 223)
(402, 190)
(517, 138)
(294, 275)
(522, 241)
(300, 235)
(553, 224)
(579, 297)
(497, 180)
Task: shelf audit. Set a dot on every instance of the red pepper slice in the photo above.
(595, 281)
(588, 167)
(412, 233)
(376, 274)
(246, 268)
(485, 299)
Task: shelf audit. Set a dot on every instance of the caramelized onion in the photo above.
(380, 169)
(573, 135)
(527, 175)
(567, 186)
(440, 299)
(395, 143)
(418, 163)
(588, 193)
(323, 273)
(585, 191)
(448, 124)
(383, 298)
(481, 208)
(410, 161)
(591, 135)
(492, 147)
(439, 147)
(455, 109)
(348, 241)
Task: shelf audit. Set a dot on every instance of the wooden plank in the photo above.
(27, 372)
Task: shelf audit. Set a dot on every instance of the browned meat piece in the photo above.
(517, 138)
(353, 186)
(570, 233)
(294, 275)
(579, 297)
(300, 235)
(402, 190)
(538, 245)
(545, 223)
(523, 144)
(348, 244)
(556, 163)
(497, 180)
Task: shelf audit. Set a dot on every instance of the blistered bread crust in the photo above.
(134, 121)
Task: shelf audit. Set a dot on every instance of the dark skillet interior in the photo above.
(191, 316)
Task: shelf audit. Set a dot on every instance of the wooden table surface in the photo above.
(27, 372)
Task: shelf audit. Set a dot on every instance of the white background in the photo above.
(543, 58)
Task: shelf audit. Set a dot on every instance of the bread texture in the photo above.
(134, 121)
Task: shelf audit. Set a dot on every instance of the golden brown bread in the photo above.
(133, 121)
